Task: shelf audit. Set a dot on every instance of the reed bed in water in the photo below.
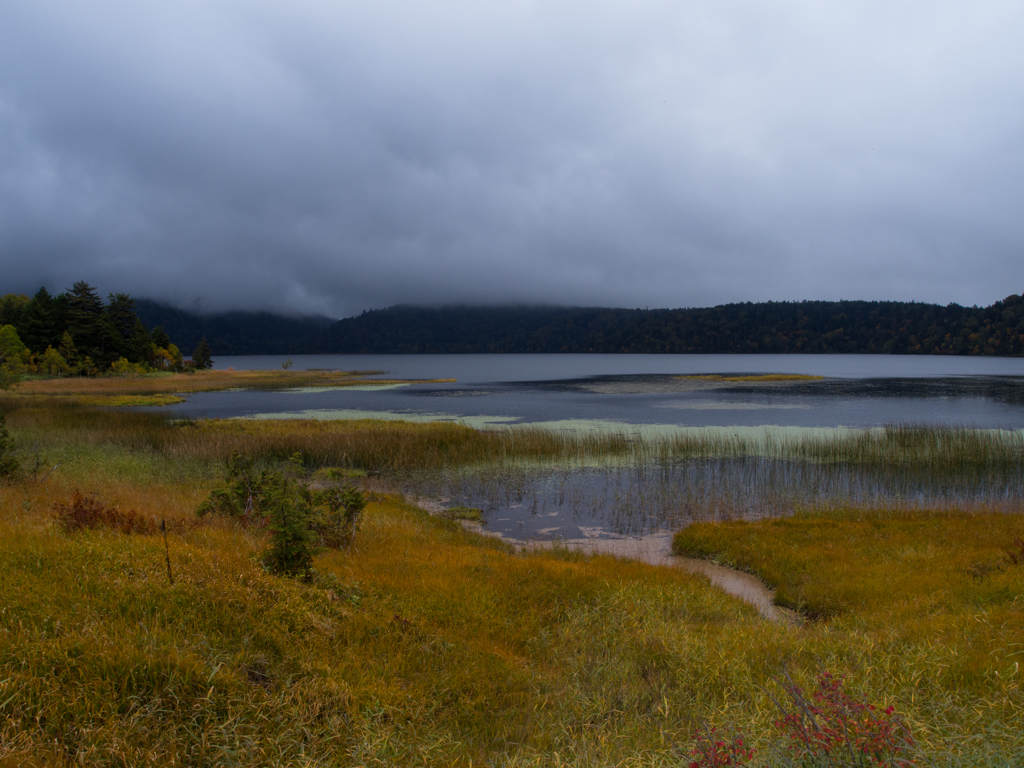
(894, 444)
(376, 446)
(638, 498)
(382, 446)
(660, 484)
(629, 482)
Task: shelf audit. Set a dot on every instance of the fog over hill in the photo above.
(772, 327)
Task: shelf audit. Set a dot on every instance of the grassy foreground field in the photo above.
(429, 645)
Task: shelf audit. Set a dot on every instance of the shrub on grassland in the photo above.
(300, 518)
(88, 512)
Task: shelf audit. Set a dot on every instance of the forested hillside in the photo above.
(771, 327)
(122, 328)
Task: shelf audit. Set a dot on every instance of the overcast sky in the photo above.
(337, 156)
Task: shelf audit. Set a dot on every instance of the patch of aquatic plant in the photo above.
(935, 447)
(637, 496)
(378, 446)
(390, 446)
(766, 377)
(472, 514)
(131, 401)
(103, 389)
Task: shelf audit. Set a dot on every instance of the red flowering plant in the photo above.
(711, 750)
(831, 728)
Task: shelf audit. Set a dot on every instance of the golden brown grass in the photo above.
(925, 579)
(425, 645)
(111, 387)
(59, 424)
(428, 645)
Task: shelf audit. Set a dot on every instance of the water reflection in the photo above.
(639, 497)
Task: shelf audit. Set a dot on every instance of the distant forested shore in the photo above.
(873, 327)
(880, 327)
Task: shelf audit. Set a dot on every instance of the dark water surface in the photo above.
(644, 393)
(605, 390)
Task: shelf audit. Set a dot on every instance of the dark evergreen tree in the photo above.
(121, 312)
(160, 337)
(140, 345)
(12, 306)
(38, 327)
(201, 356)
(87, 322)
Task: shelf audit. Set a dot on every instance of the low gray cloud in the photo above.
(334, 157)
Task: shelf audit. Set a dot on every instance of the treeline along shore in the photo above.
(76, 333)
(865, 327)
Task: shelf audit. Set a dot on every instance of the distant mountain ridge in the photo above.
(881, 327)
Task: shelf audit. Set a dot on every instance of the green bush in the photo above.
(125, 368)
(300, 519)
(339, 512)
(247, 494)
(291, 547)
(12, 354)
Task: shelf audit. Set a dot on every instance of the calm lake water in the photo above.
(614, 391)
(643, 393)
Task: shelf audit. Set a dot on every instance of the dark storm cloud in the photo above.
(339, 156)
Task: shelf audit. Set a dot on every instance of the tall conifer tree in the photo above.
(38, 327)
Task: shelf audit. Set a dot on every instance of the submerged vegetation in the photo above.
(635, 485)
(134, 631)
(764, 377)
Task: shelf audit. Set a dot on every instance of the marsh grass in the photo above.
(471, 514)
(633, 482)
(160, 388)
(651, 485)
(847, 562)
(428, 645)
